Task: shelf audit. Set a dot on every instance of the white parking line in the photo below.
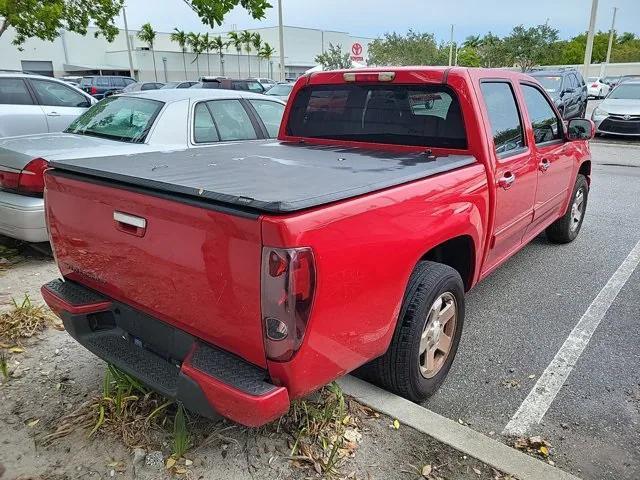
(539, 400)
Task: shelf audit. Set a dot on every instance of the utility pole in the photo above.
(451, 46)
(126, 32)
(613, 26)
(281, 40)
(592, 26)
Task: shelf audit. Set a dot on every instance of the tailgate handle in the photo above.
(130, 224)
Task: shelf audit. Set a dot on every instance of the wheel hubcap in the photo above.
(577, 210)
(437, 336)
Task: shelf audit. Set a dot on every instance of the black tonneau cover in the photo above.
(267, 175)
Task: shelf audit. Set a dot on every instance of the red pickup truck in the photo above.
(242, 275)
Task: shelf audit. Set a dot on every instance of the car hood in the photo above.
(621, 106)
(16, 152)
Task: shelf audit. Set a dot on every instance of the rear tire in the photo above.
(567, 227)
(434, 289)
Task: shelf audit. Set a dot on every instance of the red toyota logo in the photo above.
(356, 49)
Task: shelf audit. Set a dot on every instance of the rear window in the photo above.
(85, 82)
(394, 114)
(126, 119)
(13, 91)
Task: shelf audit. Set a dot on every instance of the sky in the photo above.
(374, 18)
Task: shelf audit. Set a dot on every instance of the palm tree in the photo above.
(148, 35)
(266, 52)
(247, 40)
(205, 46)
(219, 45)
(256, 41)
(194, 41)
(473, 41)
(236, 41)
(181, 39)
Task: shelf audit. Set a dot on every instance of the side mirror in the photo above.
(580, 129)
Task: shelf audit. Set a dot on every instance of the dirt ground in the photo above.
(54, 375)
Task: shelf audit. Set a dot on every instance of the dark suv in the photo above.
(100, 86)
(566, 88)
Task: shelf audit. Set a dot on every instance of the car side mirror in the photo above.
(580, 129)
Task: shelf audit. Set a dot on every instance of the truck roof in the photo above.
(267, 175)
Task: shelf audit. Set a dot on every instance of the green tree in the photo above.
(45, 19)
(148, 35)
(212, 12)
(236, 41)
(247, 40)
(180, 37)
(256, 42)
(492, 51)
(333, 58)
(472, 41)
(219, 45)
(194, 41)
(205, 47)
(266, 52)
(527, 47)
(411, 49)
(469, 57)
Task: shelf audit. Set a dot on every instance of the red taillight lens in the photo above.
(93, 90)
(9, 179)
(32, 177)
(594, 85)
(287, 288)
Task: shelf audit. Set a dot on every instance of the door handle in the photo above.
(130, 223)
(506, 181)
(53, 114)
(544, 165)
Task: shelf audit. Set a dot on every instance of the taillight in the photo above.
(287, 290)
(30, 180)
(595, 85)
(93, 90)
(9, 179)
(368, 76)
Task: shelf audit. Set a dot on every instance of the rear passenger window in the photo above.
(546, 126)
(270, 113)
(101, 81)
(57, 95)
(118, 82)
(13, 91)
(232, 120)
(204, 130)
(503, 116)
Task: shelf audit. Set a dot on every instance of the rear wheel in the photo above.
(426, 337)
(567, 227)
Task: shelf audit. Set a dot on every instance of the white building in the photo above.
(74, 54)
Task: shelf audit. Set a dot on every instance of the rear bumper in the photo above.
(206, 379)
(22, 217)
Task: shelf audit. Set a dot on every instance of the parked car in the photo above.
(142, 86)
(38, 104)
(280, 90)
(597, 88)
(250, 274)
(229, 84)
(266, 83)
(611, 80)
(101, 86)
(149, 121)
(619, 113)
(567, 89)
(183, 84)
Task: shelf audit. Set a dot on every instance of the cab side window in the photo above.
(504, 117)
(546, 126)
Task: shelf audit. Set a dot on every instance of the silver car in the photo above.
(156, 120)
(38, 104)
(280, 90)
(619, 113)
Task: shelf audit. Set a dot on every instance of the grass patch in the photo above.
(24, 320)
(325, 430)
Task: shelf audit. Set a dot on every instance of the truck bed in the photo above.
(267, 175)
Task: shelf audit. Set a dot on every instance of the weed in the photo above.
(181, 440)
(4, 367)
(24, 320)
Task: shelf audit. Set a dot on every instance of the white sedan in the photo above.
(157, 120)
(596, 88)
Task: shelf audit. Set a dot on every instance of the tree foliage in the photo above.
(333, 58)
(411, 49)
(44, 19)
(527, 47)
(212, 12)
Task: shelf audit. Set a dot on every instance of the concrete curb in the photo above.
(460, 437)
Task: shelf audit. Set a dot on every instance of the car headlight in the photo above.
(598, 112)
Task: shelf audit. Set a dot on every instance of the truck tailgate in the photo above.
(191, 266)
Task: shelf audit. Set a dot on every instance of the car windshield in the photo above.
(628, 91)
(125, 119)
(170, 85)
(550, 83)
(280, 90)
(592, 79)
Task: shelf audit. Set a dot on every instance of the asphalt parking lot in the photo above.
(520, 316)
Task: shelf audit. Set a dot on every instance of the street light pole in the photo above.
(126, 32)
(613, 26)
(451, 46)
(281, 40)
(592, 26)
